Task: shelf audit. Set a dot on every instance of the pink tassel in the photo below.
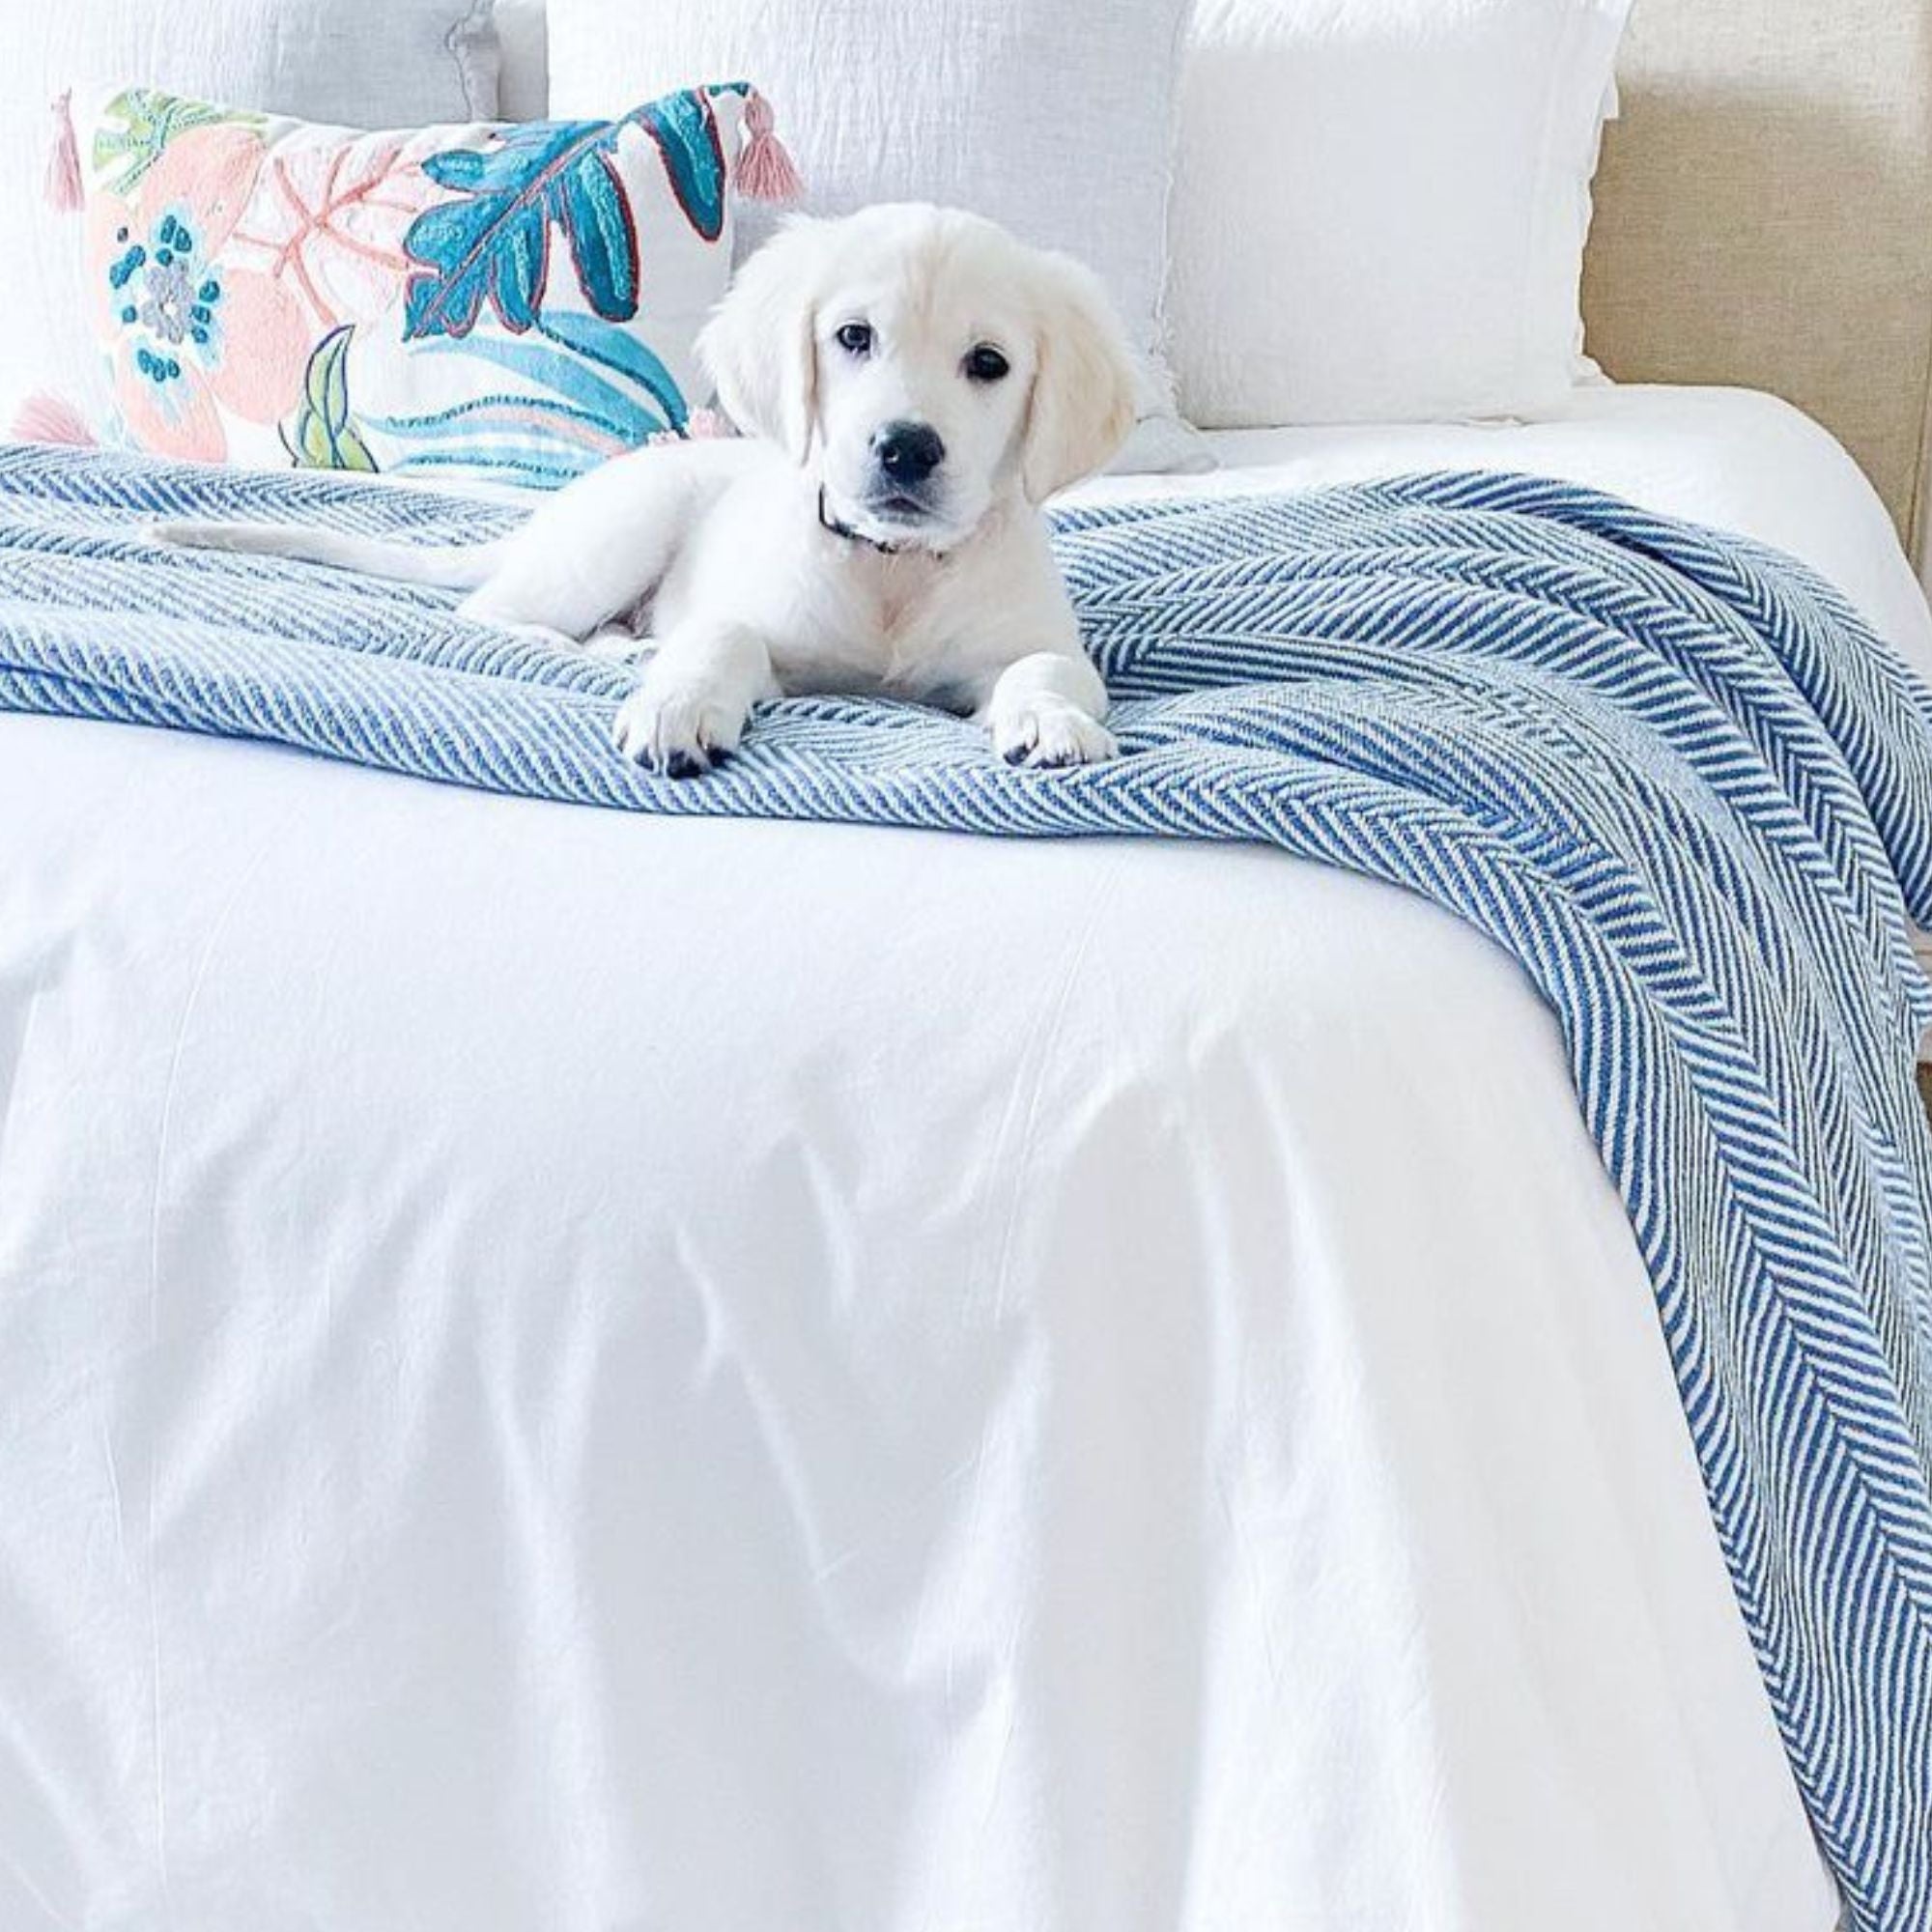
(63, 185)
(45, 419)
(765, 170)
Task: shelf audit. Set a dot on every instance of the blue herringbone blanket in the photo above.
(1671, 773)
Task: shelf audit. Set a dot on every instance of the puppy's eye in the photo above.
(985, 363)
(855, 339)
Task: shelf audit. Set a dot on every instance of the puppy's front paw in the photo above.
(1050, 732)
(678, 727)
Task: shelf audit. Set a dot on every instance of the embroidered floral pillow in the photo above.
(512, 303)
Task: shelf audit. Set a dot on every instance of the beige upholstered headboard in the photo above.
(1764, 216)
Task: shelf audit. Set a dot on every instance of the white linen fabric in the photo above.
(579, 1371)
(360, 63)
(1053, 117)
(1379, 207)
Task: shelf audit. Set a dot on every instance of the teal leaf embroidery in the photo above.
(324, 435)
(488, 246)
(585, 390)
(686, 132)
(491, 243)
(621, 354)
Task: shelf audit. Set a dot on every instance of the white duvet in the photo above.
(571, 1372)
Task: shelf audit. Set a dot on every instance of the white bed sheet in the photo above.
(562, 1371)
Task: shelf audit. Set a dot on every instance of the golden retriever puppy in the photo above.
(913, 383)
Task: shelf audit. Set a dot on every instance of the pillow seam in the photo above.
(1162, 344)
(470, 42)
(1580, 40)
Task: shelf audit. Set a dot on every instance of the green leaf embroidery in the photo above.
(137, 124)
(324, 435)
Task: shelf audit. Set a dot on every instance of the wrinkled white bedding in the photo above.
(561, 1370)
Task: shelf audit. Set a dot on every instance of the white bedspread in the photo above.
(561, 1370)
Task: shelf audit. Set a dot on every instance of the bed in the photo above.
(573, 1370)
(608, 1365)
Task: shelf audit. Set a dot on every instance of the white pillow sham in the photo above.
(1055, 117)
(523, 91)
(364, 63)
(1379, 207)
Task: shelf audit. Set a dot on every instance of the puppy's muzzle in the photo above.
(906, 456)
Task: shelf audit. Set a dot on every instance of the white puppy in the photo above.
(913, 383)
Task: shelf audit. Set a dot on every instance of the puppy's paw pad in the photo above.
(1050, 737)
(681, 733)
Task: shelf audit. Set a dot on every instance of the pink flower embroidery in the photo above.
(188, 335)
(326, 223)
(702, 425)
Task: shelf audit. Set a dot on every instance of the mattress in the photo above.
(577, 1371)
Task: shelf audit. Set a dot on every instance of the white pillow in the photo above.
(1379, 207)
(365, 63)
(1053, 117)
(522, 93)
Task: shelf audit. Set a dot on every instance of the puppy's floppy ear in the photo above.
(759, 344)
(1084, 386)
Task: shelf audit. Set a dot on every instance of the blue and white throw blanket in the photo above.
(1670, 771)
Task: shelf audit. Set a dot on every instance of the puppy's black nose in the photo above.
(908, 452)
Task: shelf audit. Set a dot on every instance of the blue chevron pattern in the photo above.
(1670, 772)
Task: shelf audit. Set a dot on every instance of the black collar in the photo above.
(829, 522)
